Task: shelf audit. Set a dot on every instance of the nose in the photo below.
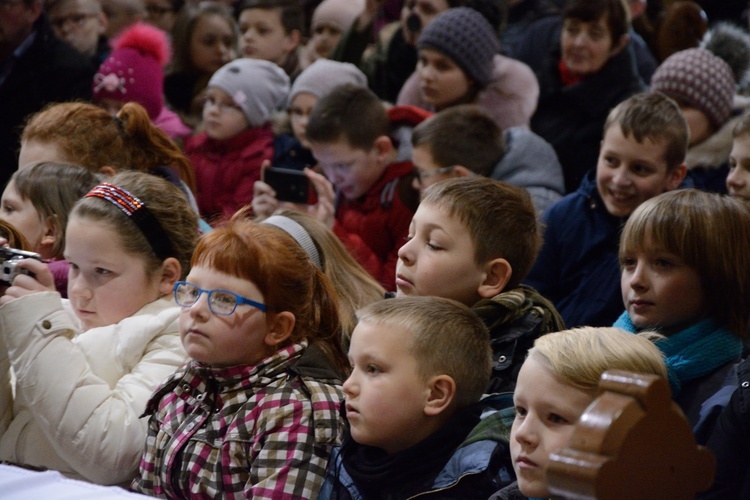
(77, 287)
(638, 279)
(525, 432)
(350, 385)
(426, 72)
(405, 253)
(200, 308)
(734, 180)
(621, 177)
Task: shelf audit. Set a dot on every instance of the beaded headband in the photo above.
(296, 231)
(141, 216)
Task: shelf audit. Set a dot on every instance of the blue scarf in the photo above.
(694, 352)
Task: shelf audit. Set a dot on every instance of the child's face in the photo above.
(660, 291)
(324, 38)
(262, 36)
(385, 394)
(221, 341)
(211, 43)
(23, 216)
(351, 170)
(111, 106)
(586, 46)
(546, 413)
(299, 113)
(441, 81)
(222, 117)
(738, 180)
(699, 125)
(428, 171)
(36, 151)
(79, 23)
(438, 258)
(629, 173)
(105, 284)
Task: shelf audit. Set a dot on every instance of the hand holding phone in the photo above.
(290, 185)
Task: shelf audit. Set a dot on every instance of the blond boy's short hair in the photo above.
(500, 217)
(653, 116)
(580, 356)
(445, 337)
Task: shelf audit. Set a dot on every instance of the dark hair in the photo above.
(291, 12)
(462, 135)
(616, 11)
(349, 111)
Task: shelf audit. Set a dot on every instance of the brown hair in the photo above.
(167, 204)
(616, 11)
(458, 345)
(742, 127)
(350, 112)
(87, 135)
(462, 135)
(184, 26)
(283, 273)
(654, 116)
(290, 12)
(500, 218)
(711, 234)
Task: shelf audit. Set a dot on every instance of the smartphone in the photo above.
(290, 185)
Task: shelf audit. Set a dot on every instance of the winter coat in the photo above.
(571, 118)
(289, 153)
(78, 394)
(478, 467)
(374, 226)
(226, 170)
(530, 162)
(249, 431)
(578, 267)
(49, 71)
(172, 125)
(510, 97)
(515, 319)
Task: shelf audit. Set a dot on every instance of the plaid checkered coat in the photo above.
(262, 431)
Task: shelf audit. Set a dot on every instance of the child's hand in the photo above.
(264, 197)
(41, 280)
(324, 210)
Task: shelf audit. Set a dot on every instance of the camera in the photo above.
(9, 258)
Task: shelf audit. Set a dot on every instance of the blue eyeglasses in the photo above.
(220, 302)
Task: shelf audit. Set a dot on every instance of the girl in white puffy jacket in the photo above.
(85, 367)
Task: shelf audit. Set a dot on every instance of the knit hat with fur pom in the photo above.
(323, 75)
(706, 78)
(258, 87)
(464, 35)
(134, 72)
(337, 13)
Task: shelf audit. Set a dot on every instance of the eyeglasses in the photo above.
(223, 106)
(421, 176)
(75, 20)
(220, 302)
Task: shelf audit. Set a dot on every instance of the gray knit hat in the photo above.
(323, 75)
(464, 35)
(258, 87)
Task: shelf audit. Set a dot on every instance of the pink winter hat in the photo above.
(134, 71)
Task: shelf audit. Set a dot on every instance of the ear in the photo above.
(621, 44)
(383, 149)
(442, 391)
(497, 275)
(170, 273)
(49, 238)
(108, 171)
(461, 171)
(279, 329)
(292, 40)
(675, 177)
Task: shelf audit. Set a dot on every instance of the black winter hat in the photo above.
(465, 36)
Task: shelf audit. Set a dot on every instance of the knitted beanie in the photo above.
(323, 75)
(337, 13)
(258, 87)
(134, 72)
(699, 79)
(465, 36)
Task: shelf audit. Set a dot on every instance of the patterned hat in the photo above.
(464, 35)
(699, 79)
(258, 87)
(134, 72)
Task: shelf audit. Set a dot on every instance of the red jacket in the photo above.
(375, 226)
(226, 170)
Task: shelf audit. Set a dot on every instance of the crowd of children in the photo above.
(482, 231)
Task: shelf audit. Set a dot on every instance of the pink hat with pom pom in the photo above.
(134, 71)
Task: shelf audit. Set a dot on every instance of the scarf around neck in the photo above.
(693, 352)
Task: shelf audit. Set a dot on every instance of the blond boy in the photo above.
(642, 155)
(473, 240)
(738, 180)
(415, 421)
